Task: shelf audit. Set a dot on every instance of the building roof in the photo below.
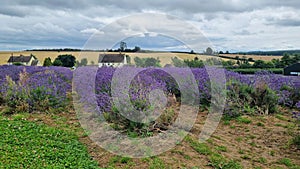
(294, 66)
(20, 58)
(34, 63)
(111, 58)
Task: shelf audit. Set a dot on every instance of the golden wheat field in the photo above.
(164, 57)
(255, 57)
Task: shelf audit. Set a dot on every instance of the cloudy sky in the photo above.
(234, 25)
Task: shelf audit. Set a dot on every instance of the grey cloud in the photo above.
(243, 32)
(70, 23)
(287, 22)
(188, 6)
(9, 11)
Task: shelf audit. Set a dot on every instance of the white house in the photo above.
(24, 60)
(112, 60)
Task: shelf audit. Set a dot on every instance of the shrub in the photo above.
(40, 90)
(245, 99)
(296, 141)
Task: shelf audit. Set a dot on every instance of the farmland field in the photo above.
(255, 57)
(257, 129)
(164, 57)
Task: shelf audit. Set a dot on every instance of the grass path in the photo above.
(26, 144)
(48, 140)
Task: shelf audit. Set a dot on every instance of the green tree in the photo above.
(245, 65)
(177, 62)
(139, 62)
(228, 63)
(296, 58)
(147, 62)
(213, 61)
(250, 59)
(152, 62)
(287, 59)
(57, 62)
(83, 62)
(128, 58)
(47, 62)
(137, 49)
(277, 63)
(209, 51)
(269, 65)
(194, 63)
(123, 46)
(66, 60)
(259, 64)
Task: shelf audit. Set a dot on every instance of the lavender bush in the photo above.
(26, 89)
(40, 88)
(255, 94)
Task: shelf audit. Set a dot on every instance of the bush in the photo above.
(250, 100)
(255, 70)
(296, 141)
(40, 90)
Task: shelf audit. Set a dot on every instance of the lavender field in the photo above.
(50, 89)
(43, 88)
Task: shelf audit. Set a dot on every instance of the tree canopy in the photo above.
(66, 60)
(47, 62)
(147, 62)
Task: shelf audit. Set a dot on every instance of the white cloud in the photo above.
(230, 25)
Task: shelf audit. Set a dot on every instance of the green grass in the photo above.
(243, 120)
(201, 148)
(221, 148)
(280, 117)
(219, 162)
(260, 124)
(25, 144)
(262, 160)
(157, 163)
(286, 161)
(227, 122)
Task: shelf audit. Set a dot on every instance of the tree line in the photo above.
(66, 60)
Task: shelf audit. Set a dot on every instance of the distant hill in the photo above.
(273, 53)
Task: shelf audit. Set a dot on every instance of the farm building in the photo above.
(292, 70)
(24, 60)
(112, 60)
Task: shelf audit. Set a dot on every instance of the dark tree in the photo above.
(259, 64)
(128, 58)
(209, 51)
(139, 62)
(136, 49)
(47, 62)
(57, 63)
(147, 62)
(152, 62)
(83, 62)
(194, 63)
(123, 46)
(66, 60)
(250, 60)
(177, 62)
